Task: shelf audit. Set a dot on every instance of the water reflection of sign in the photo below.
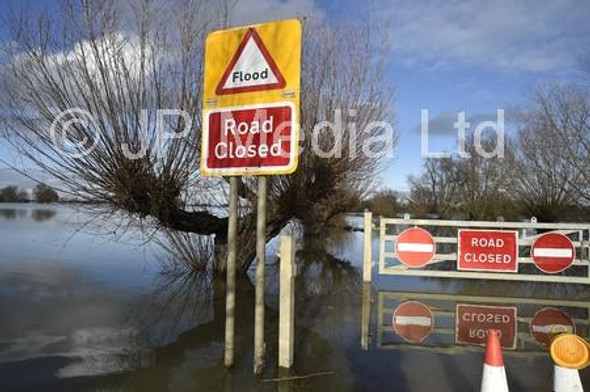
(413, 321)
(488, 250)
(472, 323)
(415, 247)
(553, 252)
(549, 321)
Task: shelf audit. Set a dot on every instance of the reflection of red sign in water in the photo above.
(413, 321)
(415, 247)
(253, 140)
(553, 252)
(472, 323)
(488, 250)
(549, 321)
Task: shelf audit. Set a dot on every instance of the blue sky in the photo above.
(452, 56)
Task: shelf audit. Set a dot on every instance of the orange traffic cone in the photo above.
(494, 375)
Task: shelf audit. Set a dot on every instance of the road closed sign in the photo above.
(251, 98)
(487, 250)
(250, 140)
(472, 323)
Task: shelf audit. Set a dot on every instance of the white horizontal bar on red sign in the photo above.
(412, 247)
(552, 328)
(552, 252)
(413, 320)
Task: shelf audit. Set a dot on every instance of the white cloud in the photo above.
(510, 35)
(257, 11)
(444, 123)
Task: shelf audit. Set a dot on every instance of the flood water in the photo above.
(85, 306)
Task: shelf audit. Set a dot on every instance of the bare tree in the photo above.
(482, 181)
(434, 192)
(542, 176)
(121, 61)
(561, 116)
(474, 187)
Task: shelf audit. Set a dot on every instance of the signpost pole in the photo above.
(260, 260)
(230, 297)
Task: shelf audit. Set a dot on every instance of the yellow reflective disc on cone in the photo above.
(570, 351)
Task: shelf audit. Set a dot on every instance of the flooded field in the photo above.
(85, 306)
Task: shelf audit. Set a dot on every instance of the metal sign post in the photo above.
(250, 127)
(260, 260)
(230, 295)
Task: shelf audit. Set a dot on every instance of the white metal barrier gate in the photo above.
(445, 234)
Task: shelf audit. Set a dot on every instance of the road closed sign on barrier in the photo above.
(487, 250)
(474, 321)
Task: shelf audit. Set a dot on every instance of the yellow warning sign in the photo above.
(253, 64)
(251, 100)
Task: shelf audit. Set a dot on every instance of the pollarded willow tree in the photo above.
(104, 68)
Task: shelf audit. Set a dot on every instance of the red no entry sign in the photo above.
(553, 252)
(472, 323)
(488, 250)
(550, 321)
(413, 321)
(415, 247)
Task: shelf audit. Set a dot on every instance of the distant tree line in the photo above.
(41, 194)
(385, 202)
(545, 171)
(13, 194)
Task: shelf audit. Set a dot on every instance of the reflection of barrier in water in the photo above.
(488, 250)
(413, 321)
(472, 323)
(548, 322)
(460, 322)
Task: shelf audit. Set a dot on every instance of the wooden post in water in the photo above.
(260, 260)
(287, 303)
(368, 253)
(230, 295)
(365, 315)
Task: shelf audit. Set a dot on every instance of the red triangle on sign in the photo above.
(251, 69)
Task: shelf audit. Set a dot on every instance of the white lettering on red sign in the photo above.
(487, 250)
(253, 139)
